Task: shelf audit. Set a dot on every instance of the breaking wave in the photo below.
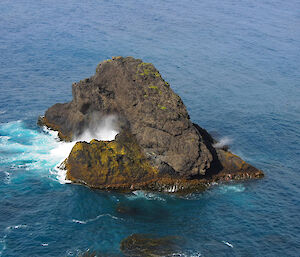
(24, 148)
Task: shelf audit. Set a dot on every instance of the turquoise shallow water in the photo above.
(236, 66)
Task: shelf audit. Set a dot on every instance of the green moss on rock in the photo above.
(109, 164)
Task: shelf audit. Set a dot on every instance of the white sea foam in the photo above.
(61, 152)
(45, 244)
(171, 189)
(237, 188)
(103, 128)
(94, 219)
(227, 243)
(3, 244)
(2, 112)
(138, 194)
(16, 227)
(8, 230)
(31, 150)
(60, 174)
(223, 142)
(4, 139)
(7, 178)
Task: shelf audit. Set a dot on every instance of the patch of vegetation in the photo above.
(153, 87)
(162, 107)
(167, 84)
(147, 69)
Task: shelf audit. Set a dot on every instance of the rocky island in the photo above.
(157, 147)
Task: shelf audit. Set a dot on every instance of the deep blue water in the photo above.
(236, 66)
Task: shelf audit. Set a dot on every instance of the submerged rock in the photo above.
(142, 245)
(158, 147)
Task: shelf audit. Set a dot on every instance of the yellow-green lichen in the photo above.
(162, 107)
(147, 69)
(153, 87)
(109, 163)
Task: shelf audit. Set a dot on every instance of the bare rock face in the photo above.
(151, 113)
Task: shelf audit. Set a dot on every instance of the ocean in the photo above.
(236, 66)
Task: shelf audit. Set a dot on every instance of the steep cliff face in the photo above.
(150, 112)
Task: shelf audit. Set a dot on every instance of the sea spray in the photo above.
(224, 141)
(22, 147)
(100, 128)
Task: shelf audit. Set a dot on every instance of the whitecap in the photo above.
(94, 219)
(227, 243)
(8, 230)
(17, 226)
(7, 179)
(2, 112)
(45, 244)
(79, 221)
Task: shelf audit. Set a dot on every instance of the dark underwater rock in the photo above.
(142, 245)
(165, 151)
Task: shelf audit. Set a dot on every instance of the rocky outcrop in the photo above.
(143, 245)
(158, 148)
(117, 164)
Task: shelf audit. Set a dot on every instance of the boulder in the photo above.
(143, 245)
(158, 146)
(113, 164)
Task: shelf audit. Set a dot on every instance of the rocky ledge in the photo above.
(157, 148)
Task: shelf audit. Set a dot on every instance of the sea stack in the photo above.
(158, 147)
